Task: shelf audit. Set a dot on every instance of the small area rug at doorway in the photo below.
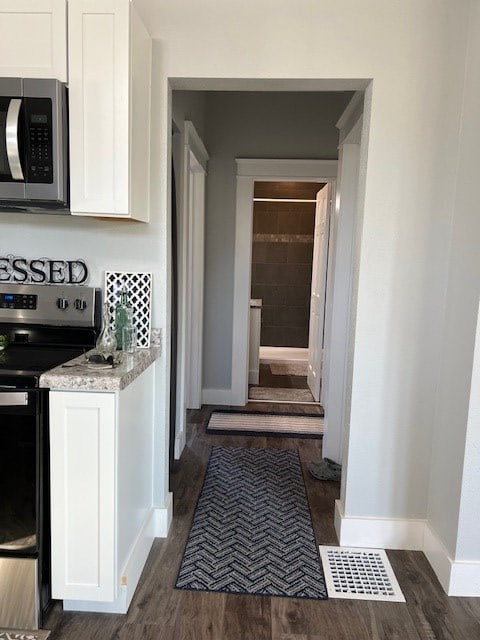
(266, 424)
(16, 634)
(289, 368)
(280, 394)
(252, 532)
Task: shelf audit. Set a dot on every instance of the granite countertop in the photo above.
(76, 375)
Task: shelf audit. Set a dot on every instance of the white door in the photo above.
(317, 299)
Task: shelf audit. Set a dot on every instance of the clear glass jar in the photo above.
(106, 342)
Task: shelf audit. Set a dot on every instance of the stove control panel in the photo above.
(56, 305)
(17, 301)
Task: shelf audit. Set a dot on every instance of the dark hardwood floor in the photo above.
(159, 612)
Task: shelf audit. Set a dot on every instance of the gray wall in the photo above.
(190, 105)
(250, 125)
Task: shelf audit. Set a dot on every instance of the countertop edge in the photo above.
(75, 376)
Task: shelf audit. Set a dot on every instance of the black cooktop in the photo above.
(34, 350)
(23, 365)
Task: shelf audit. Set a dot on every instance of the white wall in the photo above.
(105, 245)
(414, 51)
(250, 125)
(451, 475)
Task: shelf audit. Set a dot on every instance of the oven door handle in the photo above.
(13, 399)
(11, 135)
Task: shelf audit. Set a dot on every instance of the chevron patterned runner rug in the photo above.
(252, 532)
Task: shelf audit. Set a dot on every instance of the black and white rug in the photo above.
(252, 532)
(235, 422)
(17, 634)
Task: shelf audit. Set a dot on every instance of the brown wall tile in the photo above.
(302, 222)
(303, 190)
(300, 253)
(265, 222)
(269, 252)
(298, 295)
(282, 270)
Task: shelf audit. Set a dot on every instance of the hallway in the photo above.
(159, 612)
(280, 385)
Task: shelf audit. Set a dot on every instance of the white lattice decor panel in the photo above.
(139, 287)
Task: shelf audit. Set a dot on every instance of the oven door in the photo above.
(20, 471)
(24, 508)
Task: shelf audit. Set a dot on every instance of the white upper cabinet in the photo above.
(33, 39)
(109, 54)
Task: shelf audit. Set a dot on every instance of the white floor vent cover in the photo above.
(359, 574)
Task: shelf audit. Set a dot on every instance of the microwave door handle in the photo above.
(13, 153)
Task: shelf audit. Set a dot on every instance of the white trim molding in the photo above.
(195, 144)
(180, 439)
(301, 170)
(248, 172)
(457, 577)
(163, 518)
(384, 533)
(193, 158)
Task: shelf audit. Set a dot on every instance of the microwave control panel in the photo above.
(39, 156)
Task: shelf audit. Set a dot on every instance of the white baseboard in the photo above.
(217, 396)
(163, 518)
(117, 606)
(179, 444)
(380, 533)
(458, 578)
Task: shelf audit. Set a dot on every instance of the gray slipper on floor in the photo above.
(324, 471)
(333, 464)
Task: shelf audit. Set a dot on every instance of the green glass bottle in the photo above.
(121, 317)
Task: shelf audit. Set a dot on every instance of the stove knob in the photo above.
(80, 304)
(62, 303)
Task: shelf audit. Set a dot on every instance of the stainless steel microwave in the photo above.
(33, 145)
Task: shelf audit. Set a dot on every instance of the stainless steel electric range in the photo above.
(45, 326)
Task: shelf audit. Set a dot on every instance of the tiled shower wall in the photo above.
(282, 252)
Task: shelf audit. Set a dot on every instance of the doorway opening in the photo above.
(281, 287)
(273, 124)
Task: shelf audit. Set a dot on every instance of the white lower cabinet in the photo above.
(101, 493)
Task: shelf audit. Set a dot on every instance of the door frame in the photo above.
(193, 161)
(316, 338)
(337, 327)
(250, 171)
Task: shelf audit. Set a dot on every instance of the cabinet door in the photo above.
(33, 39)
(82, 455)
(99, 63)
